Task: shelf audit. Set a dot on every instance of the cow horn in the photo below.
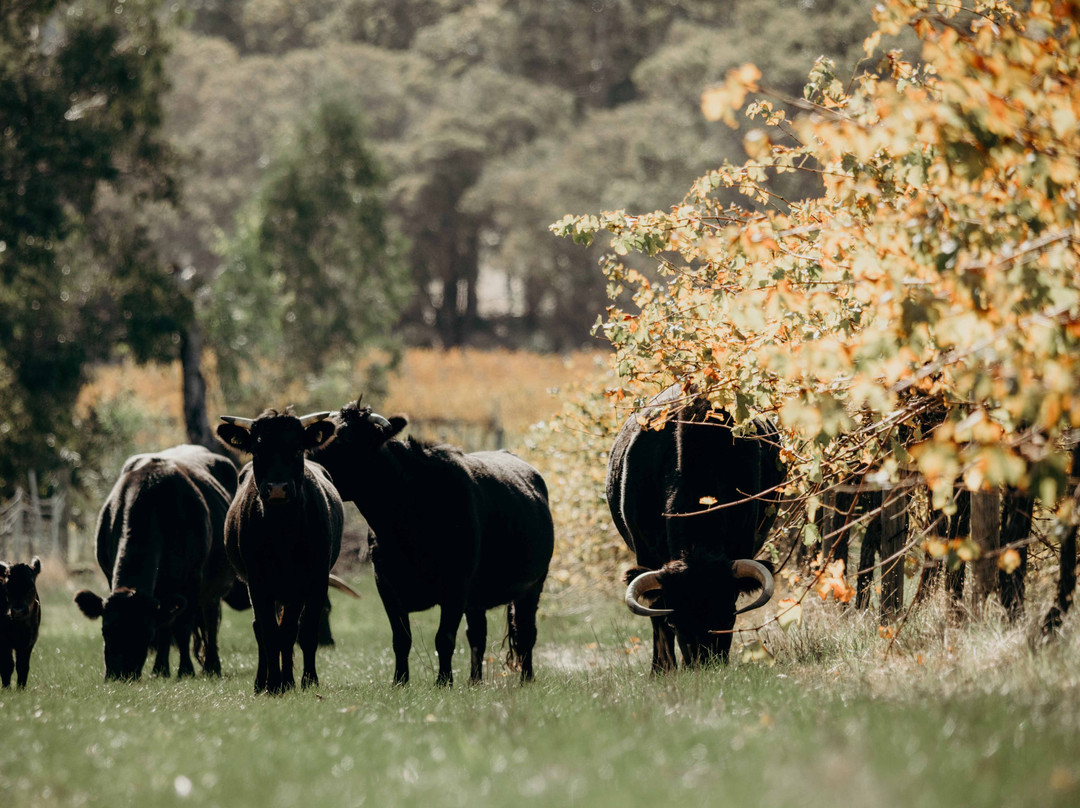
(745, 568)
(341, 586)
(646, 582)
(312, 417)
(378, 420)
(237, 421)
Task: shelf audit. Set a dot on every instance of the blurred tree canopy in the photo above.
(80, 155)
(313, 272)
(491, 118)
(377, 169)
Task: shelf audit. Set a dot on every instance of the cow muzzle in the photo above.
(278, 492)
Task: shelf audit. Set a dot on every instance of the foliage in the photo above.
(491, 119)
(80, 156)
(921, 313)
(314, 274)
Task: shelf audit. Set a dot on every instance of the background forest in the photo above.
(277, 188)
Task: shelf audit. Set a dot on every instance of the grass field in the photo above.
(954, 717)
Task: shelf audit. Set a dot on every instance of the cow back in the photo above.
(517, 536)
(163, 522)
(692, 461)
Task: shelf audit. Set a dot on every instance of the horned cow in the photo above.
(465, 532)
(282, 535)
(692, 501)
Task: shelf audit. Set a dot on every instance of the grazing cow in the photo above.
(20, 618)
(283, 535)
(670, 492)
(465, 532)
(160, 545)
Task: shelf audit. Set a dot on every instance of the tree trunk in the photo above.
(894, 521)
(986, 533)
(1066, 587)
(194, 385)
(1015, 527)
(870, 549)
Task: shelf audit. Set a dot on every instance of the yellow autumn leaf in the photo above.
(789, 613)
(1009, 561)
(756, 652)
(717, 105)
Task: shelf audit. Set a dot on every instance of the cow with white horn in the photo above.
(694, 501)
(283, 535)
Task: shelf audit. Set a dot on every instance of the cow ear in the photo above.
(318, 434)
(633, 573)
(35, 565)
(89, 604)
(235, 437)
(397, 423)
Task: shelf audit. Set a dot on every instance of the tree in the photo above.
(314, 272)
(80, 153)
(922, 314)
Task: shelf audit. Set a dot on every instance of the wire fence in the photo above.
(32, 525)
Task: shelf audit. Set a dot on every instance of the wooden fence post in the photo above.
(894, 522)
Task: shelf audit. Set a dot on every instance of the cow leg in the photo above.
(265, 624)
(22, 664)
(399, 625)
(161, 657)
(326, 636)
(523, 630)
(7, 665)
(182, 634)
(211, 622)
(287, 631)
(663, 659)
(445, 640)
(311, 621)
(476, 633)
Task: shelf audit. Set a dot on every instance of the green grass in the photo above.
(971, 716)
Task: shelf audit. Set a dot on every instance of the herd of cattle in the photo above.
(463, 531)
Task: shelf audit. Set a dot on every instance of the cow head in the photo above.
(130, 621)
(20, 588)
(277, 442)
(360, 433)
(696, 597)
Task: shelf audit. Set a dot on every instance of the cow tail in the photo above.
(513, 653)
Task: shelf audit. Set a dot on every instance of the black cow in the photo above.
(20, 618)
(465, 532)
(283, 535)
(159, 544)
(666, 489)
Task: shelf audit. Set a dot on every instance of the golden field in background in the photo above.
(546, 408)
(516, 388)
